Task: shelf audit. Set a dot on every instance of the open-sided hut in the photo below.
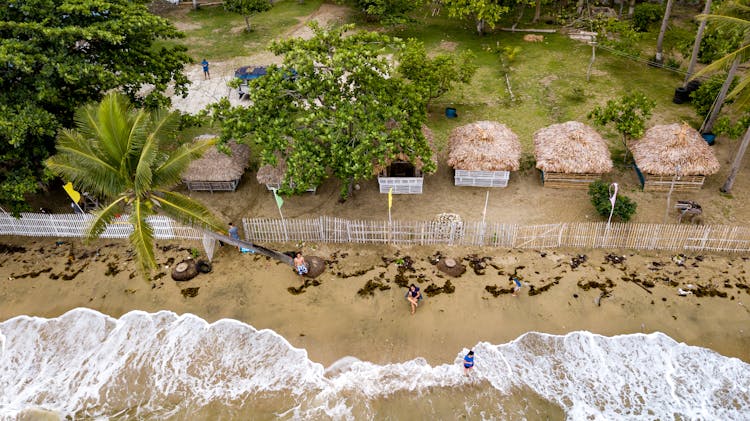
(217, 171)
(570, 155)
(401, 174)
(673, 155)
(483, 154)
(273, 176)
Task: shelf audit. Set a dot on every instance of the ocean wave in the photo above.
(161, 365)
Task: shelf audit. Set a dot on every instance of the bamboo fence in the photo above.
(576, 235)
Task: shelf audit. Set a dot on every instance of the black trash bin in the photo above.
(681, 95)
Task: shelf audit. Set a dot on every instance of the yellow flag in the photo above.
(72, 193)
(390, 198)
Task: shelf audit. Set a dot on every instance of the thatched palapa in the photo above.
(665, 147)
(272, 175)
(572, 148)
(418, 162)
(484, 146)
(216, 171)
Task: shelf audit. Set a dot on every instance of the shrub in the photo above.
(703, 97)
(645, 14)
(624, 206)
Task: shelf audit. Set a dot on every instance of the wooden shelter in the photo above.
(273, 176)
(217, 171)
(570, 155)
(401, 174)
(483, 154)
(673, 155)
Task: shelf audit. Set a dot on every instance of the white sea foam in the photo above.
(155, 365)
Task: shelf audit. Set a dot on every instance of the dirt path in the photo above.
(203, 92)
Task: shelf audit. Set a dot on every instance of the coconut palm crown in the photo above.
(120, 155)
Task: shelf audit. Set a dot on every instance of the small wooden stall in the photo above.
(405, 176)
(217, 171)
(273, 176)
(570, 155)
(483, 154)
(673, 155)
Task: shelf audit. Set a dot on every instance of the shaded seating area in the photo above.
(570, 155)
(673, 156)
(483, 154)
(217, 171)
(403, 175)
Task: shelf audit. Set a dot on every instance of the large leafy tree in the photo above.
(484, 12)
(388, 11)
(334, 107)
(124, 156)
(57, 55)
(435, 75)
(247, 8)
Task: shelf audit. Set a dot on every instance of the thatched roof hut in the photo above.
(572, 148)
(418, 162)
(665, 147)
(216, 170)
(269, 174)
(484, 146)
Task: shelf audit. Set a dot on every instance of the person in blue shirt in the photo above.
(206, 74)
(516, 286)
(468, 362)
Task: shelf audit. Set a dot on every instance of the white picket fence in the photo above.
(577, 235)
(74, 225)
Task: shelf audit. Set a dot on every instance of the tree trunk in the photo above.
(537, 12)
(248, 245)
(195, 4)
(697, 44)
(247, 23)
(708, 126)
(631, 8)
(737, 163)
(660, 41)
(480, 26)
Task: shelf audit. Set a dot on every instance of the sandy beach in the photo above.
(564, 291)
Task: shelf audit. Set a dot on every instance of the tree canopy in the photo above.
(60, 54)
(335, 107)
(485, 13)
(435, 75)
(124, 156)
(247, 8)
(629, 114)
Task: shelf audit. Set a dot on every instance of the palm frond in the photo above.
(741, 93)
(187, 211)
(103, 217)
(168, 174)
(160, 124)
(142, 238)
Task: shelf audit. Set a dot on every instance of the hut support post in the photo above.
(675, 178)
(593, 58)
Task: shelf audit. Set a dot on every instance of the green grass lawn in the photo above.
(547, 78)
(216, 33)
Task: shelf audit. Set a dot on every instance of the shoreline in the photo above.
(331, 321)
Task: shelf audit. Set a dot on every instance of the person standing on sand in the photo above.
(206, 74)
(300, 264)
(468, 362)
(413, 295)
(234, 233)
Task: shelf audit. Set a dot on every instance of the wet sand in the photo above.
(564, 291)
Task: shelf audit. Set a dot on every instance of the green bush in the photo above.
(703, 97)
(624, 206)
(645, 14)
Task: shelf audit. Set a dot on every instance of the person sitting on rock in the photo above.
(300, 264)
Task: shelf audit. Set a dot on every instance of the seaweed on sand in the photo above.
(308, 283)
(496, 290)
(368, 290)
(190, 292)
(433, 290)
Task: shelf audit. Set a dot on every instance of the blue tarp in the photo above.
(249, 72)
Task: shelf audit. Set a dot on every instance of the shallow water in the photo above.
(163, 366)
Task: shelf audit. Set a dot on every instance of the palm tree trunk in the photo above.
(662, 31)
(631, 8)
(697, 44)
(709, 124)
(248, 245)
(195, 4)
(737, 163)
(537, 12)
(247, 23)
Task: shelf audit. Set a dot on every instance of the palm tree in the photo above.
(741, 93)
(121, 155)
(660, 39)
